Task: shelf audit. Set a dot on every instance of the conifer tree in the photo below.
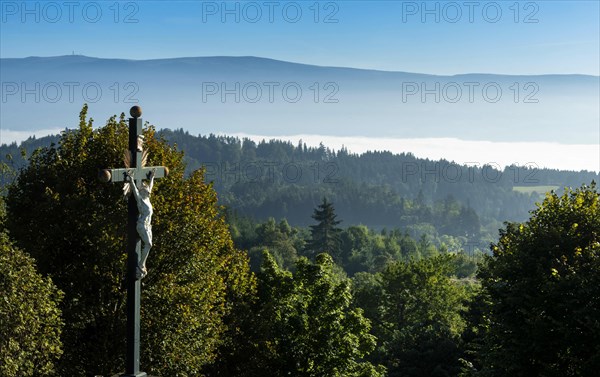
(325, 235)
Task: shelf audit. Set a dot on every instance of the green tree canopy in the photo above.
(279, 239)
(30, 321)
(303, 325)
(416, 308)
(542, 284)
(74, 226)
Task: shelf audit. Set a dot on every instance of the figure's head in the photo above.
(144, 190)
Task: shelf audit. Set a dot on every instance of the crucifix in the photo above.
(139, 229)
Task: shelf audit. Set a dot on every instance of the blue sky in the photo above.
(439, 37)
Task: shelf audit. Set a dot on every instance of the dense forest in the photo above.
(309, 290)
(459, 205)
(377, 189)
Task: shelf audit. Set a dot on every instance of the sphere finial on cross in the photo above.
(105, 175)
(135, 111)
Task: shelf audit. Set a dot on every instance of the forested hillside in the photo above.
(232, 295)
(278, 179)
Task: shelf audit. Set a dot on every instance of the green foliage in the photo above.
(281, 241)
(368, 294)
(74, 226)
(30, 321)
(377, 189)
(416, 308)
(13, 157)
(542, 285)
(303, 325)
(466, 266)
(361, 248)
(411, 308)
(367, 250)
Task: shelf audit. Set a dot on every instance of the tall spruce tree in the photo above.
(325, 235)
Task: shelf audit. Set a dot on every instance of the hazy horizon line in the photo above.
(535, 154)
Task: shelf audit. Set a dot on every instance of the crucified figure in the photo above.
(144, 225)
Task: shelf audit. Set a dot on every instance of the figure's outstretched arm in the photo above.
(133, 185)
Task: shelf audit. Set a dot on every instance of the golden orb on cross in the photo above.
(135, 111)
(104, 175)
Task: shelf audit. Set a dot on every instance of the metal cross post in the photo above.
(137, 172)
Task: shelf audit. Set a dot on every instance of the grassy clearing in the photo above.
(537, 189)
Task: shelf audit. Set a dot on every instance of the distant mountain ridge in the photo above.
(272, 97)
(258, 61)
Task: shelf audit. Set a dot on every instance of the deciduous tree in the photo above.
(74, 226)
(416, 308)
(303, 325)
(30, 321)
(542, 284)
